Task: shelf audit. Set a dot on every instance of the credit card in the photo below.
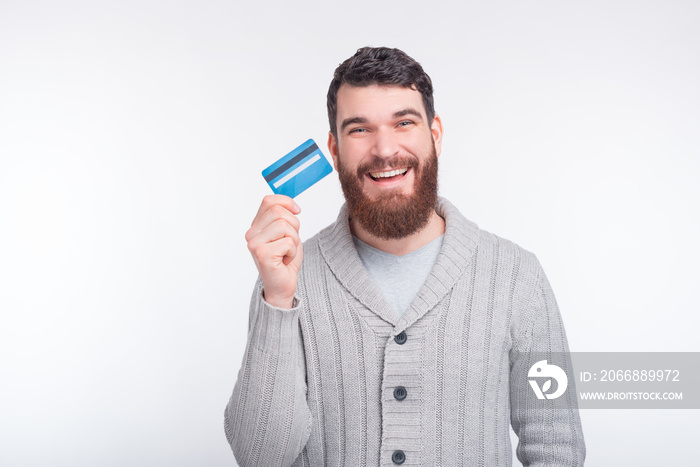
(298, 170)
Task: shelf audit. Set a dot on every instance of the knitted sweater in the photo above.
(340, 380)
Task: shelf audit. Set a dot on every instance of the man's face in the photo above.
(386, 157)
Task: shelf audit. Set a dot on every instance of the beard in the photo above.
(392, 214)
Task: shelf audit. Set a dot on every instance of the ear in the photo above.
(436, 131)
(333, 148)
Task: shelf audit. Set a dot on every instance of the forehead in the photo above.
(376, 101)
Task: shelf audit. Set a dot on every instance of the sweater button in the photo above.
(401, 338)
(400, 393)
(398, 457)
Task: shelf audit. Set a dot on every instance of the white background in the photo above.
(133, 133)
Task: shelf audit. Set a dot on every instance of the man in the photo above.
(396, 335)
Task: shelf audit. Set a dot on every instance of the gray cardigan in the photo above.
(340, 380)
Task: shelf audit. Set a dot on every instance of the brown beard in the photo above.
(392, 215)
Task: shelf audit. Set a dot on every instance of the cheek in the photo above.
(352, 154)
(356, 146)
(421, 141)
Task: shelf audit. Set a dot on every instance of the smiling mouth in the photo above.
(389, 174)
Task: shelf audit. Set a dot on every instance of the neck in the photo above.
(401, 246)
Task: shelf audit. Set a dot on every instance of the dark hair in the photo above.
(383, 66)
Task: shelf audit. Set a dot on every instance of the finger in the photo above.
(271, 215)
(284, 248)
(282, 200)
(277, 229)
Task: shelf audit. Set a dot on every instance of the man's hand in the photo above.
(273, 240)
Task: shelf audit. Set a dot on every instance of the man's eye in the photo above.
(357, 130)
(406, 123)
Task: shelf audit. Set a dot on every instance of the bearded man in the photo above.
(398, 334)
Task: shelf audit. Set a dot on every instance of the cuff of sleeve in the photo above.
(295, 303)
(276, 330)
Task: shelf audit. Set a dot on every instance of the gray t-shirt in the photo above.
(399, 278)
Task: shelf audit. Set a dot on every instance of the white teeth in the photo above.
(391, 173)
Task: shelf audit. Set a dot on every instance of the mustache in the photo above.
(380, 164)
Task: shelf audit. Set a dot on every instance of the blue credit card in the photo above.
(298, 170)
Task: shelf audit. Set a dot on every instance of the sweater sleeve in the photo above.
(267, 420)
(549, 430)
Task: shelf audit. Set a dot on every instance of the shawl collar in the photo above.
(458, 247)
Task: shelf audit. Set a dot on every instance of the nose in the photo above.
(386, 144)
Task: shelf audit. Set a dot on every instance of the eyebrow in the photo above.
(408, 111)
(398, 114)
(352, 121)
